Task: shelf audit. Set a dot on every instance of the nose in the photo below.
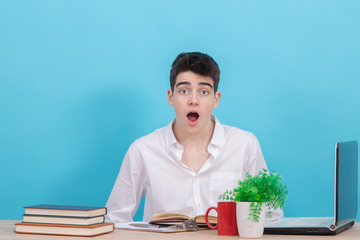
(193, 99)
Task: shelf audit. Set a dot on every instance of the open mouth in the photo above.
(193, 116)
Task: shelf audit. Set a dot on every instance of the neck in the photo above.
(199, 138)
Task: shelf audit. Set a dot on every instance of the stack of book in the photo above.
(64, 220)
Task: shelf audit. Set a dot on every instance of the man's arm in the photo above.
(256, 161)
(128, 189)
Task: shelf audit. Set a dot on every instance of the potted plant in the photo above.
(253, 195)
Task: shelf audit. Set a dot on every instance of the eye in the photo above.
(204, 92)
(183, 91)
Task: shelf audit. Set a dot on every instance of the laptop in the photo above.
(345, 200)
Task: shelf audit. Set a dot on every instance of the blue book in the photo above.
(65, 210)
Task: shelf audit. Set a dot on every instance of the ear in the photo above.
(170, 97)
(217, 99)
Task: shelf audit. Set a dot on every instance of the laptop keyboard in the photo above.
(306, 221)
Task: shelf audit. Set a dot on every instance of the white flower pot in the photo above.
(248, 228)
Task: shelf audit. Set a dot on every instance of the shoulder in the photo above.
(234, 132)
(236, 137)
(156, 138)
(230, 132)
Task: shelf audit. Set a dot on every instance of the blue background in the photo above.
(81, 80)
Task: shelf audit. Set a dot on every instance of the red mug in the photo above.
(226, 219)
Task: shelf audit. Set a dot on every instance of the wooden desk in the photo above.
(7, 228)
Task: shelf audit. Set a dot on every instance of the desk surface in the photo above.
(7, 228)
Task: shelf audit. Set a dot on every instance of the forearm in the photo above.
(127, 192)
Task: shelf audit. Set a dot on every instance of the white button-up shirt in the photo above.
(152, 167)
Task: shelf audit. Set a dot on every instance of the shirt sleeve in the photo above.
(128, 189)
(256, 161)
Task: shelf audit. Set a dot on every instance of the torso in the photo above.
(194, 158)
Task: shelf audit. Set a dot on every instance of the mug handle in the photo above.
(207, 220)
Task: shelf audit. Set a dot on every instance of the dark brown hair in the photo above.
(196, 62)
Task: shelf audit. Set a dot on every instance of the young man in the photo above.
(185, 166)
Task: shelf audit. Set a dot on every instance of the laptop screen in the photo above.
(347, 181)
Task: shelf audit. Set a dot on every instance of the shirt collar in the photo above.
(170, 137)
(217, 140)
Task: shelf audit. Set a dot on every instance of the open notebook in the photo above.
(345, 199)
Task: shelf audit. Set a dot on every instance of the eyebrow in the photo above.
(200, 83)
